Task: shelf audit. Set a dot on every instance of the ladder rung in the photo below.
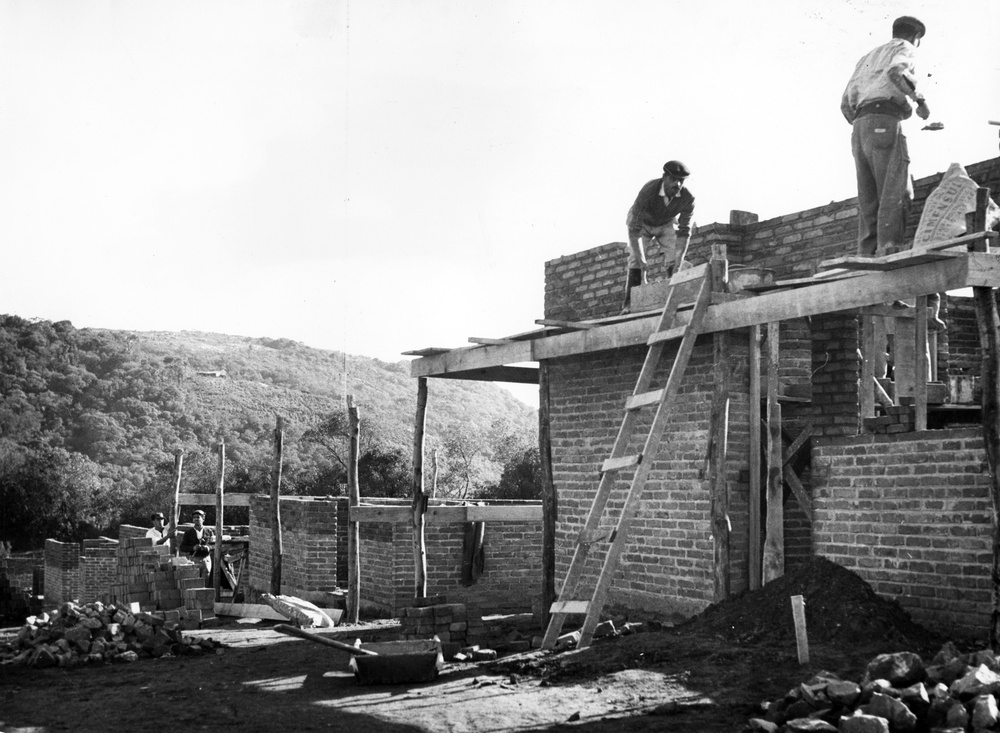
(692, 273)
(644, 400)
(615, 464)
(668, 335)
(570, 607)
(590, 536)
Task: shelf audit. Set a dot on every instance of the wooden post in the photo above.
(217, 561)
(549, 504)
(175, 513)
(277, 547)
(353, 528)
(867, 386)
(774, 543)
(755, 496)
(419, 505)
(434, 472)
(920, 365)
(718, 442)
(988, 320)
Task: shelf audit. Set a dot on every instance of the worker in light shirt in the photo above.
(875, 102)
(159, 533)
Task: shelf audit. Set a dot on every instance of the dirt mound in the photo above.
(840, 606)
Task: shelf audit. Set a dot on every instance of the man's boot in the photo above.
(633, 278)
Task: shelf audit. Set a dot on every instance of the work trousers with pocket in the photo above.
(885, 191)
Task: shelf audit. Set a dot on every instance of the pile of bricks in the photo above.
(896, 419)
(170, 587)
(96, 633)
(450, 622)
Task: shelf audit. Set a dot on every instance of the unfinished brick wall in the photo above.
(668, 566)
(510, 582)
(910, 513)
(963, 337)
(309, 539)
(62, 572)
(98, 569)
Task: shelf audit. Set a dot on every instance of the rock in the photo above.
(982, 657)
(128, 657)
(900, 717)
(806, 725)
(864, 724)
(44, 658)
(484, 655)
(900, 669)
(984, 712)
(957, 716)
(605, 628)
(568, 641)
(759, 724)
(843, 692)
(799, 709)
(947, 652)
(79, 636)
(979, 681)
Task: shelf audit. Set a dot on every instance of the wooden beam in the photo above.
(175, 512)
(718, 485)
(203, 499)
(574, 325)
(921, 367)
(529, 513)
(219, 508)
(774, 541)
(482, 340)
(277, 548)
(353, 499)
(516, 375)
(969, 270)
(419, 505)
(796, 445)
(792, 479)
(754, 460)
(549, 498)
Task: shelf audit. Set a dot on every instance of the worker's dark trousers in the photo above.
(884, 188)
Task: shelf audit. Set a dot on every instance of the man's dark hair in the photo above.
(907, 26)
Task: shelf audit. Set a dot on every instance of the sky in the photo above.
(379, 176)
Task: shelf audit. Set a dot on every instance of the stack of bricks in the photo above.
(450, 622)
(171, 587)
(897, 419)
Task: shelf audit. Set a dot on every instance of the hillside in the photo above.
(90, 420)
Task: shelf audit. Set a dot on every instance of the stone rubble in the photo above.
(955, 693)
(96, 633)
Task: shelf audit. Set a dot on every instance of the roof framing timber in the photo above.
(903, 278)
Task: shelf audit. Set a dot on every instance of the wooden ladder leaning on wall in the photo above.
(642, 397)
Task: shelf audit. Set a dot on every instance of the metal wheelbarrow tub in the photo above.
(396, 662)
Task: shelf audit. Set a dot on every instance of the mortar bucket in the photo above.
(398, 662)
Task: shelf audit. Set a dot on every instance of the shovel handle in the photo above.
(302, 634)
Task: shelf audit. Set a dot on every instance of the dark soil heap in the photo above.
(840, 606)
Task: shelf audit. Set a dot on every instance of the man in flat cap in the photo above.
(198, 542)
(661, 214)
(875, 102)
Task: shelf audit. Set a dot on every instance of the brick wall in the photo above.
(668, 567)
(98, 569)
(62, 572)
(910, 513)
(510, 582)
(309, 540)
(963, 337)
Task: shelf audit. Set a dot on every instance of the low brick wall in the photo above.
(510, 582)
(62, 572)
(910, 513)
(98, 569)
(309, 539)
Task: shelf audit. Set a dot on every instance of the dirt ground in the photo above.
(708, 674)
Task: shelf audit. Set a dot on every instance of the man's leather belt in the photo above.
(882, 107)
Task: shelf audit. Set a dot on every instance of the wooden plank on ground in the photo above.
(249, 610)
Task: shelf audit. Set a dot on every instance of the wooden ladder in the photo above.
(641, 398)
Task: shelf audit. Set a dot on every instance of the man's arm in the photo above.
(901, 74)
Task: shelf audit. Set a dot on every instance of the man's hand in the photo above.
(923, 111)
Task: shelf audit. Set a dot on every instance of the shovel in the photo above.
(302, 634)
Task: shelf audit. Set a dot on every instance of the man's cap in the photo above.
(676, 169)
(156, 515)
(199, 511)
(911, 23)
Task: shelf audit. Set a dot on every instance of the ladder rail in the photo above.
(625, 433)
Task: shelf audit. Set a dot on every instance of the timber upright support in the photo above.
(642, 397)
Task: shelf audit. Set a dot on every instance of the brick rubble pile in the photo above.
(955, 693)
(96, 633)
